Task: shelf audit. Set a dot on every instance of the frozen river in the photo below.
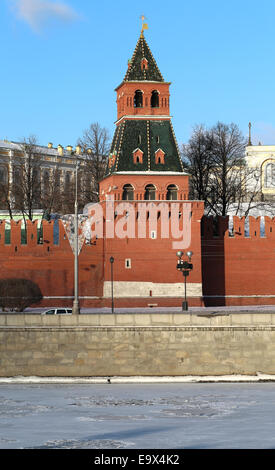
(137, 416)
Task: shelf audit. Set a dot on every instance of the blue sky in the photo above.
(62, 59)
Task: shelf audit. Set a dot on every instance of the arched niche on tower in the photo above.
(172, 192)
(150, 192)
(138, 99)
(128, 192)
(155, 99)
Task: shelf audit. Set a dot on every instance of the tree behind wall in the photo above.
(95, 143)
(27, 180)
(219, 176)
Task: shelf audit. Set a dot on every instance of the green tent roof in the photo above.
(149, 136)
(135, 72)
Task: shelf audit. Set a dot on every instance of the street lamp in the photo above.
(185, 267)
(76, 309)
(112, 281)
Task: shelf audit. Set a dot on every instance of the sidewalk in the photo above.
(192, 310)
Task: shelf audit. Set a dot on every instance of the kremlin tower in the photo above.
(144, 162)
(145, 170)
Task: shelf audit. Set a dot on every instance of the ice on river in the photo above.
(137, 416)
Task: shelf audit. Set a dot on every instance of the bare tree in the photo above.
(51, 197)
(95, 143)
(218, 171)
(6, 201)
(26, 179)
(198, 162)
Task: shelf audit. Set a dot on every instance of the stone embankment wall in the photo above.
(174, 344)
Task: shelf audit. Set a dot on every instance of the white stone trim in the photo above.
(143, 289)
(267, 296)
(159, 173)
(145, 117)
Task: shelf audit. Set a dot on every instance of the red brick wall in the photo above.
(51, 266)
(238, 269)
(235, 270)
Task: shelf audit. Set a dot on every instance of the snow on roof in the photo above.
(5, 144)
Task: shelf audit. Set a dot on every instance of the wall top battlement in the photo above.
(237, 227)
(59, 234)
(33, 234)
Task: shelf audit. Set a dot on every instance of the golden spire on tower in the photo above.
(144, 25)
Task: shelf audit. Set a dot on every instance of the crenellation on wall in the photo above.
(238, 228)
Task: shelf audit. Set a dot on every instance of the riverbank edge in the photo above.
(138, 380)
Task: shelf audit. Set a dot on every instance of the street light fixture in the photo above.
(112, 281)
(76, 309)
(185, 267)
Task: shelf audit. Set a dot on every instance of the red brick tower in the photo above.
(144, 162)
(144, 166)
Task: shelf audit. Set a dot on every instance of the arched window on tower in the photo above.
(155, 99)
(172, 192)
(128, 193)
(138, 99)
(150, 192)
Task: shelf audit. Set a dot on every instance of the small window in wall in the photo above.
(67, 181)
(3, 175)
(153, 234)
(269, 180)
(159, 157)
(128, 264)
(46, 180)
(144, 64)
(138, 156)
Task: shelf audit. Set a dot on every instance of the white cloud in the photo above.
(37, 13)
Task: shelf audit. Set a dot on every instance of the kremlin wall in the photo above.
(229, 267)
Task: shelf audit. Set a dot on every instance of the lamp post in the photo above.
(112, 281)
(76, 309)
(185, 267)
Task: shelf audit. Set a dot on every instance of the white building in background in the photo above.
(50, 157)
(262, 159)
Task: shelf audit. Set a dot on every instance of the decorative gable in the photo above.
(138, 156)
(159, 157)
(144, 64)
